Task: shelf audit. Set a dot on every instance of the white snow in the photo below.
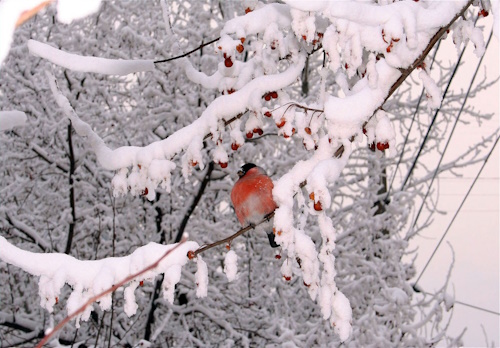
(230, 265)
(89, 278)
(11, 119)
(10, 10)
(70, 10)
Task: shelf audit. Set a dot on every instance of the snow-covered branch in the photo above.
(91, 278)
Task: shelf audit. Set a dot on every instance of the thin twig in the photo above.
(30, 13)
(188, 53)
(104, 293)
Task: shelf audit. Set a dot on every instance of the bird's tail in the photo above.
(272, 242)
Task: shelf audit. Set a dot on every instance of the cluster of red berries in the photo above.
(377, 145)
(255, 130)
(483, 13)
(268, 96)
(317, 205)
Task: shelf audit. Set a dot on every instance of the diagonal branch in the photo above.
(104, 293)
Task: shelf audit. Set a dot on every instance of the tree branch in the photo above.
(188, 53)
(93, 299)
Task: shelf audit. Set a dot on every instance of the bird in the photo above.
(252, 197)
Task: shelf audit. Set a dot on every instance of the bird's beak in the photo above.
(240, 173)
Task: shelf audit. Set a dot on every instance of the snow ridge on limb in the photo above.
(189, 138)
(79, 63)
(90, 278)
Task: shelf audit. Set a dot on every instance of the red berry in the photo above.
(193, 163)
(234, 146)
(286, 136)
(239, 48)
(274, 95)
(380, 146)
(190, 255)
(248, 10)
(267, 97)
(242, 39)
(228, 62)
(307, 285)
(483, 13)
(308, 130)
(230, 91)
(282, 123)
(311, 196)
(317, 206)
(228, 247)
(249, 135)
(364, 130)
(287, 278)
(346, 66)
(223, 164)
(141, 283)
(386, 146)
(277, 257)
(372, 146)
(267, 114)
(258, 131)
(145, 191)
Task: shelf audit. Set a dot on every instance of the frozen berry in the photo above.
(317, 206)
(223, 164)
(267, 114)
(228, 62)
(258, 131)
(239, 48)
(281, 123)
(308, 130)
(234, 146)
(249, 135)
(274, 95)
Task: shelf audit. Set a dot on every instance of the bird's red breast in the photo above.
(252, 196)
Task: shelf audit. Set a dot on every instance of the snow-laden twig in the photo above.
(95, 280)
(98, 65)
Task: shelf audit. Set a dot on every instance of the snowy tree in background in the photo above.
(116, 143)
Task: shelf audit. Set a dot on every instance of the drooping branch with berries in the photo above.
(359, 53)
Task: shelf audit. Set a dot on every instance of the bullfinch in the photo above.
(252, 197)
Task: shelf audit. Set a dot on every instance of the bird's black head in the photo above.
(245, 168)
